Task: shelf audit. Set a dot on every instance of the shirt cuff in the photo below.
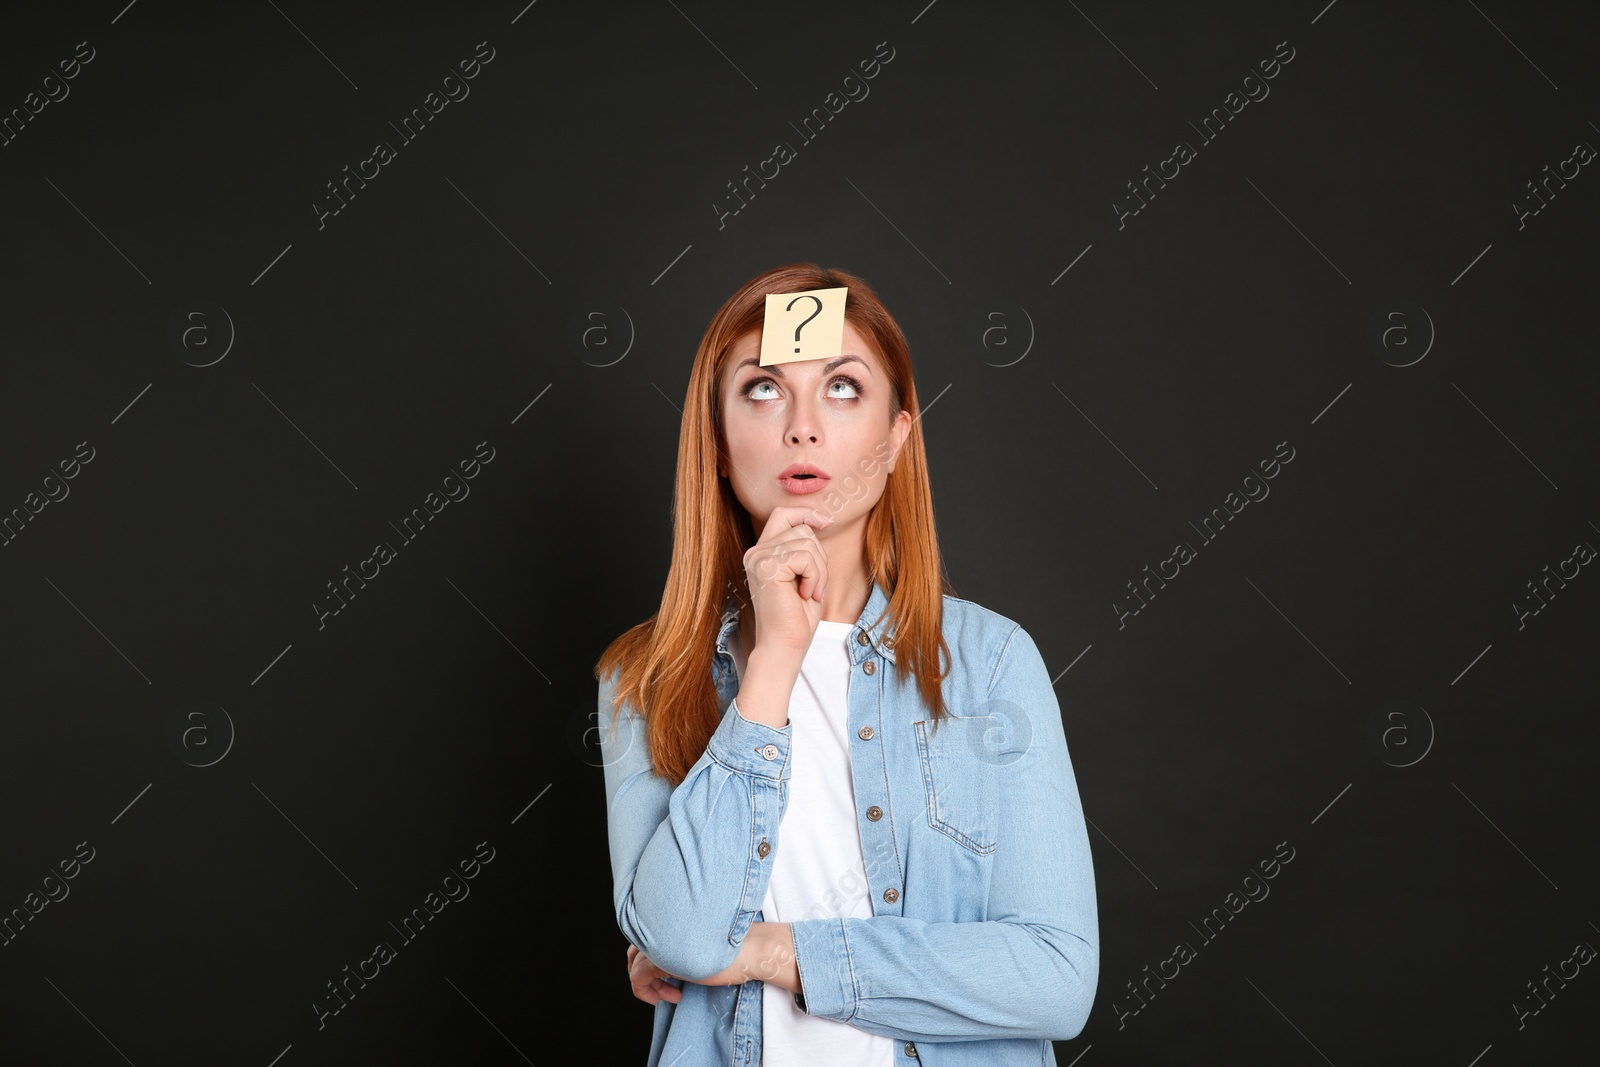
(751, 747)
(827, 980)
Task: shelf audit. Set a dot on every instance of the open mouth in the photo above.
(803, 481)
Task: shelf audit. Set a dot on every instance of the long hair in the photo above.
(665, 661)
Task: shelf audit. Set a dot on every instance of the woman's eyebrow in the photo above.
(776, 368)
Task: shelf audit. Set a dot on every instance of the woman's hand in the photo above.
(765, 955)
(649, 981)
(786, 571)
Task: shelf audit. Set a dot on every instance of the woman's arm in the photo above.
(766, 955)
(688, 867)
(1031, 969)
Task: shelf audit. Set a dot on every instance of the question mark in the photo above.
(814, 314)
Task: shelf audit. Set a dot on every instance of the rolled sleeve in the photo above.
(751, 747)
(822, 956)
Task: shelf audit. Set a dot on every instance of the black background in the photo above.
(447, 703)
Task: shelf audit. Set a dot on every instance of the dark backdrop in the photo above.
(222, 785)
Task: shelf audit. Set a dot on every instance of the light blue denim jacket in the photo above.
(984, 941)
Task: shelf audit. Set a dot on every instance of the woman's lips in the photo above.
(801, 486)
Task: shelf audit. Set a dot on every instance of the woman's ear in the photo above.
(901, 430)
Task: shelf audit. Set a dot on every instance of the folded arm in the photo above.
(1030, 969)
(689, 874)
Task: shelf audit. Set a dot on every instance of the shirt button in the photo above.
(769, 752)
(869, 666)
(865, 733)
(874, 813)
(911, 1049)
(861, 638)
(891, 895)
(763, 848)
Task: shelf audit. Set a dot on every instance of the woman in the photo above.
(855, 839)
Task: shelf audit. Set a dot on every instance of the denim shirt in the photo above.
(983, 944)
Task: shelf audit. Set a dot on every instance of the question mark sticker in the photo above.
(780, 331)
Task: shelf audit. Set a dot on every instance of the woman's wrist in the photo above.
(765, 689)
(772, 945)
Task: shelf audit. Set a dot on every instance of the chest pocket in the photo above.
(961, 791)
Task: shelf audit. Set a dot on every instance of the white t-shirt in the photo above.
(818, 870)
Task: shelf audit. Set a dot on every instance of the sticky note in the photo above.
(805, 325)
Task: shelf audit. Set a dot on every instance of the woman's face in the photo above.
(831, 414)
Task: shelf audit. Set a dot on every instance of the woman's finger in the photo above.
(649, 981)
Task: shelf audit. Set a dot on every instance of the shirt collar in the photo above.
(862, 636)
